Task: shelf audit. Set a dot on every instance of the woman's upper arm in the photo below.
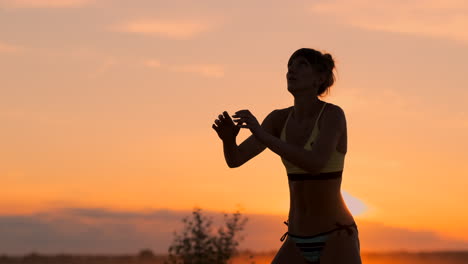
(329, 136)
(251, 147)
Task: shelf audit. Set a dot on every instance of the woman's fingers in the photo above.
(241, 119)
(243, 112)
(223, 116)
(226, 116)
(223, 119)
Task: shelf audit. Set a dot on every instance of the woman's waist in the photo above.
(315, 200)
(306, 225)
(319, 213)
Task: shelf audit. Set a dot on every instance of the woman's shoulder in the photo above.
(335, 109)
(334, 114)
(282, 111)
(279, 115)
(335, 106)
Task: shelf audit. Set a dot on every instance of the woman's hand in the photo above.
(225, 128)
(249, 119)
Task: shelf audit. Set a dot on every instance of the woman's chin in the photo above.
(292, 87)
(296, 89)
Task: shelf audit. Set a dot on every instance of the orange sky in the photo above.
(110, 104)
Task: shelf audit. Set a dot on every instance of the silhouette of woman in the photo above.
(321, 229)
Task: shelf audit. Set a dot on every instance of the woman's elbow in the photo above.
(233, 165)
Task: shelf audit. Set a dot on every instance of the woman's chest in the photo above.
(300, 134)
(305, 132)
(297, 133)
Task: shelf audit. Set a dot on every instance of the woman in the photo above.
(311, 139)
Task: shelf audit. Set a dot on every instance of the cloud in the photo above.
(8, 48)
(100, 231)
(106, 64)
(174, 29)
(47, 118)
(209, 70)
(153, 63)
(434, 18)
(376, 236)
(43, 3)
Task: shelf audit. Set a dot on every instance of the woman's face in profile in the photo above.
(301, 75)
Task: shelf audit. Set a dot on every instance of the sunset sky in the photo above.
(106, 110)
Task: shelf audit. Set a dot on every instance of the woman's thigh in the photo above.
(289, 253)
(342, 248)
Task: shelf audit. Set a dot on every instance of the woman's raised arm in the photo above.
(235, 155)
(251, 147)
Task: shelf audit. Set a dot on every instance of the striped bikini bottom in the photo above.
(312, 246)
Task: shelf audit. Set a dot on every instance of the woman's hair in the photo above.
(323, 63)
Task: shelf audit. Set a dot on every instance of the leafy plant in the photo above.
(197, 245)
(146, 254)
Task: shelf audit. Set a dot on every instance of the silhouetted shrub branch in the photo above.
(196, 245)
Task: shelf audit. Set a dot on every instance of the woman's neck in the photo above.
(305, 108)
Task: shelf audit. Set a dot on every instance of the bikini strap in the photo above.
(348, 228)
(285, 234)
(316, 121)
(282, 136)
(283, 132)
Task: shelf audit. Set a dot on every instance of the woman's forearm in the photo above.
(231, 152)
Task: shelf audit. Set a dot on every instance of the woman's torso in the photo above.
(315, 205)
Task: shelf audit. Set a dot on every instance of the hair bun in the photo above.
(329, 61)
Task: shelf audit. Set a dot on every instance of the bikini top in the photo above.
(333, 168)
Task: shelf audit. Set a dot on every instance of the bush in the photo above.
(198, 246)
(146, 254)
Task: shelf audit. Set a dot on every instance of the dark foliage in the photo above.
(196, 245)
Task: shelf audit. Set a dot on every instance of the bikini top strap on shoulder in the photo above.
(318, 117)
